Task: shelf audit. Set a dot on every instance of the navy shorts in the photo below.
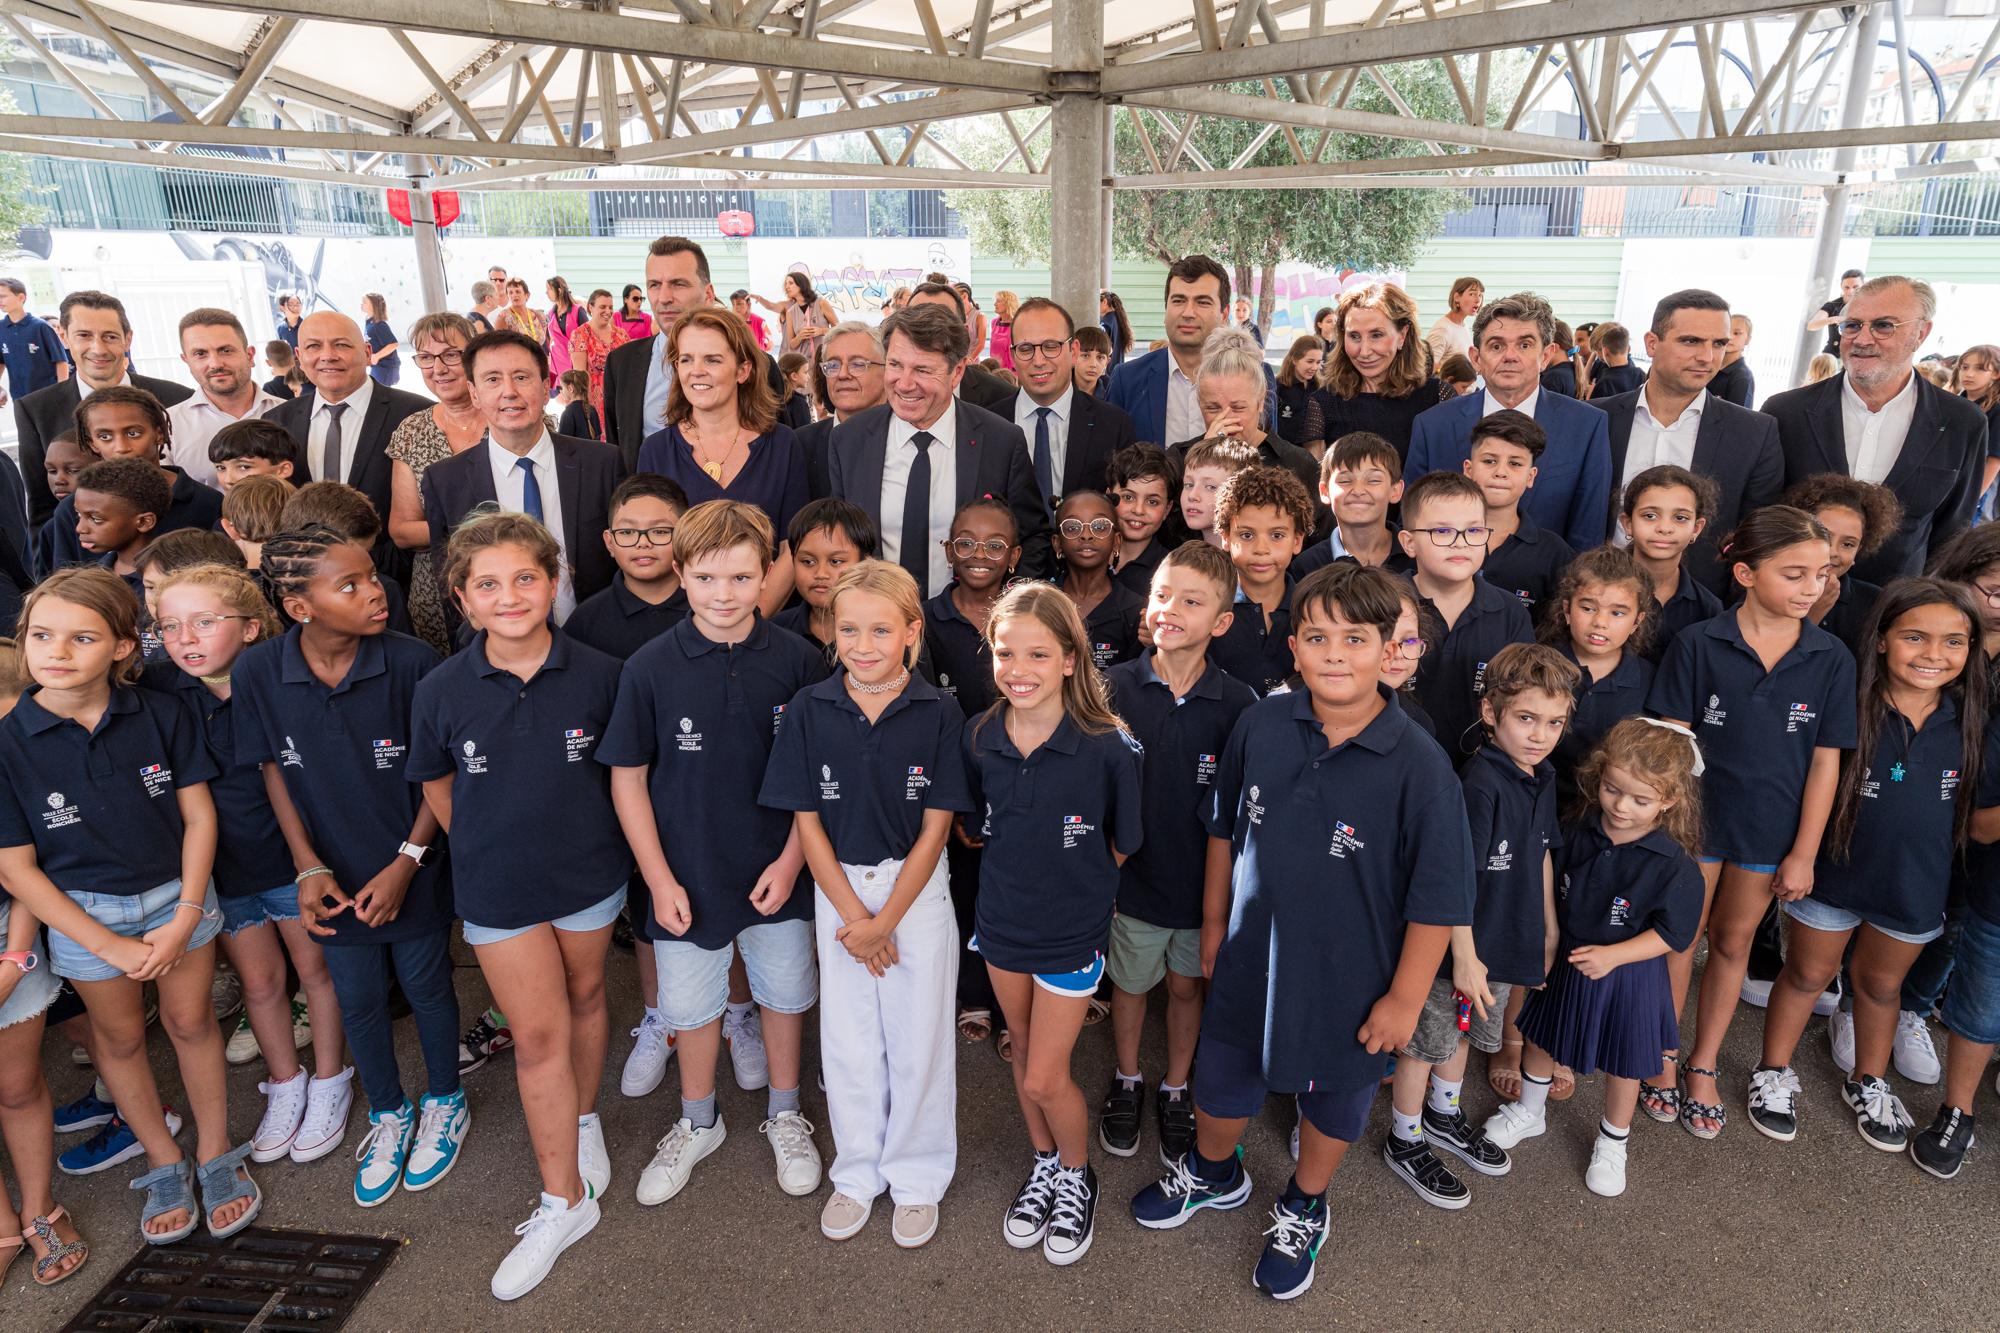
(1229, 1084)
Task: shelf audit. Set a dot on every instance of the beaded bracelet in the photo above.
(305, 875)
(207, 913)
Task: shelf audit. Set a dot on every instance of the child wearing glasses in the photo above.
(1086, 536)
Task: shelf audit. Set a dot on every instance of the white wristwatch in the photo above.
(413, 851)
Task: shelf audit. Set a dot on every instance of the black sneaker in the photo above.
(1175, 1113)
(1774, 1109)
(1879, 1114)
(1028, 1220)
(1458, 1136)
(1434, 1182)
(1073, 1221)
(1941, 1149)
(1118, 1121)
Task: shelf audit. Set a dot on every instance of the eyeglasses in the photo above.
(203, 626)
(451, 356)
(1992, 595)
(1412, 647)
(1073, 528)
(965, 548)
(652, 536)
(853, 365)
(1050, 348)
(1881, 328)
(1474, 536)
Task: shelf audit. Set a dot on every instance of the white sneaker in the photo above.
(1840, 1038)
(1514, 1122)
(1915, 1054)
(241, 1047)
(284, 1109)
(674, 1161)
(1828, 1001)
(746, 1050)
(790, 1136)
(1606, 1173)
(328, 1101)
(1756, 992)
(843, 1218)
(549, 1230)
(647, 1064)
(914, 1224)
(593, 1160)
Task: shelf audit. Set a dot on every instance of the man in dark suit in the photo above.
(100, 340)
(1071, 436)
(1157, 390)
(850, 377)
(1880, 421)
(1676, 417)
(913, 461)
(343, 422)
(979, 386)
(1572, 491)
(636, 375)
(562, 481)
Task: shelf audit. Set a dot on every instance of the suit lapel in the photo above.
(965, 456)
(1823, 418)
(481, 480)
(1707, 460)
(1925, 427)
(1076, 441)
(362, 448)
(869, 455)
(1619, 424)
(569, 487)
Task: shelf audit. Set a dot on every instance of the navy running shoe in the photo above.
(1297, 1232)
(1180, 1194)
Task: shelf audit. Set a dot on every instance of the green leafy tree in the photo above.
(18, 208)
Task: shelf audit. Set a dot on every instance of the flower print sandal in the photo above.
(42, 1233)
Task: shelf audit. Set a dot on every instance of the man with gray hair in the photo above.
(1571, 492)
(848, 379)
(485, 300)
(1879, 421)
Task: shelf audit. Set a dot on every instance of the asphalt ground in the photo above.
(1824, 1233)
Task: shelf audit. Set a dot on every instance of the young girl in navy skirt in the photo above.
(1631, 895)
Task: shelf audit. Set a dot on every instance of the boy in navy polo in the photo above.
(1182, 707)
(1339, 862)
(28, 346)
(827, 537)
(124, 422)
(118, 504)
(1521, 557)
(697, 712)
(1511, 808)
(1445, 532)
(1263, 515)
(1361, 481)
(1142, 482)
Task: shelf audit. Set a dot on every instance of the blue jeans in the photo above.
(1972, 1006)
(361, 974)
(1923, 988)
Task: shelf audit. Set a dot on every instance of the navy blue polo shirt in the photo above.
(1529, 564)
(1981, 876)
(1113, 627)
(617, 621)
(1601, 704)
(521, 756)
(1260, 657)
(1320, 554)
(31, 352)
(1452, 674)
(341, 752)
(250, 852)
(1336, 851)
(869, 783)
(1691, 604)
(701, 716)
(961, 660)
(1048, 879)
(1897, 869)
(194, 506)
(1512, 818)
(1847, 619)
(99, 806)
(1757, 730)
(1184, 738)
(1607, 892)
(797, 619)
(1137, 573)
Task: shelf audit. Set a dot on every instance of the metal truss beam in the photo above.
(88, 127)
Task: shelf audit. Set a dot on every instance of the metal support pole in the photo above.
(1110, 196)
(1076, 157)
(430, 255)
(1833, 219)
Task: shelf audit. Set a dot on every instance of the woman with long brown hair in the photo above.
(593, 343)
(1374, 377)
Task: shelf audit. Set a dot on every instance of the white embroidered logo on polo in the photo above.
(60, 814)
(474, 761)
(688, 739)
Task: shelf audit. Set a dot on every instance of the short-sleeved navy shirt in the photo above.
(961, 660)
(701, 716)
(1897, 870)
(534, 834)
(1528, 564)
(617, 621)
(1691, 604)
(1452, 674)
(193, 506)
(1137, 573)
(1512, 817)
(1981, 876)
(1113, 627)
(250, 851)
(1847, 619)
(31, 351)
(1336, 851)
(341, 752)
(1609, 892)
(1051, 821)
(1601, 704)
(797, 619)
(99, 806)
(869, 783)
(1757, 730)
(1183, 738)
(1258, 656)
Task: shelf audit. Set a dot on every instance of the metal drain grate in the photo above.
(262, 1278)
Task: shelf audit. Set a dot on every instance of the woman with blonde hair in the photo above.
(1823, 366)
(1375, 377)
(1002, 332)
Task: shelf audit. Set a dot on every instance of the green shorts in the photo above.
(1141, 954)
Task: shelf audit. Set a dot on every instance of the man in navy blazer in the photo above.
(873, 454)
(1157, 390)
(1880, 421)
(1081, 433)
(1572, 490)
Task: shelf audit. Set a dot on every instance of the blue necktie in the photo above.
(531, 489)
(915, 553)
(1044, 461)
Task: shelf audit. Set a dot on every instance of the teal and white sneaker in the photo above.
(383, 1153)
(434, 1149)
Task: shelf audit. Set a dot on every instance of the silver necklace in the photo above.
(886, 687)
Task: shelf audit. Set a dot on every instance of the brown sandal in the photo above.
(41, 1235)
(1005, 1045)
(1506, 1079)
(1565, 1084)
(975, 1024)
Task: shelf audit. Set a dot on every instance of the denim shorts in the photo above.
(1714, 860)
(779, 956)
(130, 915)
(1142, 954)
(1816, 915)
(594, 917)
(1436, 1039)
(1971, 1006)
(1229, 1084)
(1078, 985)
(254, 909)
(34, 992)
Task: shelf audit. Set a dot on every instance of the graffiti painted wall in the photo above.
(856, 274)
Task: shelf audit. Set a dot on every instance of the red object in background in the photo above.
(444, 206)
(735, 222)
(399, 205)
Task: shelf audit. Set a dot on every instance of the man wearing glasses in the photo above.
(1880, 421)
(849, 376)
(1071, 436)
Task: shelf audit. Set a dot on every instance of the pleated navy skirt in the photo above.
(1620, 1023)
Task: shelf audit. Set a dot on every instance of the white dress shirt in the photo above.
(1653, 445)
(896, 461)
(356, 404)
(1183, 408)
(510, 488)
(1526, 407)
(1875, 439)
(1024, 417)
(197, 421)
(83, 385)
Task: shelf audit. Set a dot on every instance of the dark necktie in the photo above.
(916, 549)
(333, 414)
(1044, 458)
(531, 489)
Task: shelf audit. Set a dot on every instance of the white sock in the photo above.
(1172, 1087)
(1535, 1093)
(586, 1120)
(1409, 1128)
(1611, 1131)
(1444, 1096)
(1133, 1079)
(739, 1012)
(652, 1014)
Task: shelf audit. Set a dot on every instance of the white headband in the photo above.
(1679, 730)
